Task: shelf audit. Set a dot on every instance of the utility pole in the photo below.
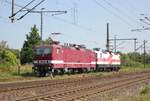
(75, 11)
(22, 8)
(107, 41)
(27, 10)
(41, 22)
(135, 49)
(12, 11)
(135, 41)
(144, 52)
(127, 39)
(115, 43)
(41, 12)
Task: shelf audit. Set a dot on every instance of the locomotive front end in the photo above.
(42, 60)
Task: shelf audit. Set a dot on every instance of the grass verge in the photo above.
(26, 73)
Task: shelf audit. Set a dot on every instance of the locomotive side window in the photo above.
(96, 54)
(101, 55)
(58, 51)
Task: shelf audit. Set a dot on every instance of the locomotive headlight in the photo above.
(49, 61)
(35, 61)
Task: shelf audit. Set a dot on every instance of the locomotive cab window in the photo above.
(43, 50)
(47, 51)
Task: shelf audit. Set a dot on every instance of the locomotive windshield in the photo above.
(43, 50)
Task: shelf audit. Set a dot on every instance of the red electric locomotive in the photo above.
(58, 58)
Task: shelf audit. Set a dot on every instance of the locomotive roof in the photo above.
(71, 46)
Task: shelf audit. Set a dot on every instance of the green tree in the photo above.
(27, 52)
(48, 41)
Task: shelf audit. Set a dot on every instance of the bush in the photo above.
(8, 56)
(146, 90)
(129, 61)
(8, 61)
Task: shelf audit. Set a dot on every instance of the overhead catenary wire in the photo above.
(143, 20)
(76, 25)
(135, 8)
(41, 12)
(131, 6)
(60, 19)
(73, 8)
(22, 8)
(121, 12)
(1, 2)
(17, 5)
(133, 11)
(112, 13)
(31, 10)
(147, 18)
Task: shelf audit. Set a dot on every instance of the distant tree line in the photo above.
(134, 59)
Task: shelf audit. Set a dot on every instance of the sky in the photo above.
(84, 23)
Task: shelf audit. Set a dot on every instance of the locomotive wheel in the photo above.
(42, 72)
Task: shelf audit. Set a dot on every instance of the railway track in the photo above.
(5, 87)
(69, 89)
(79, 92)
